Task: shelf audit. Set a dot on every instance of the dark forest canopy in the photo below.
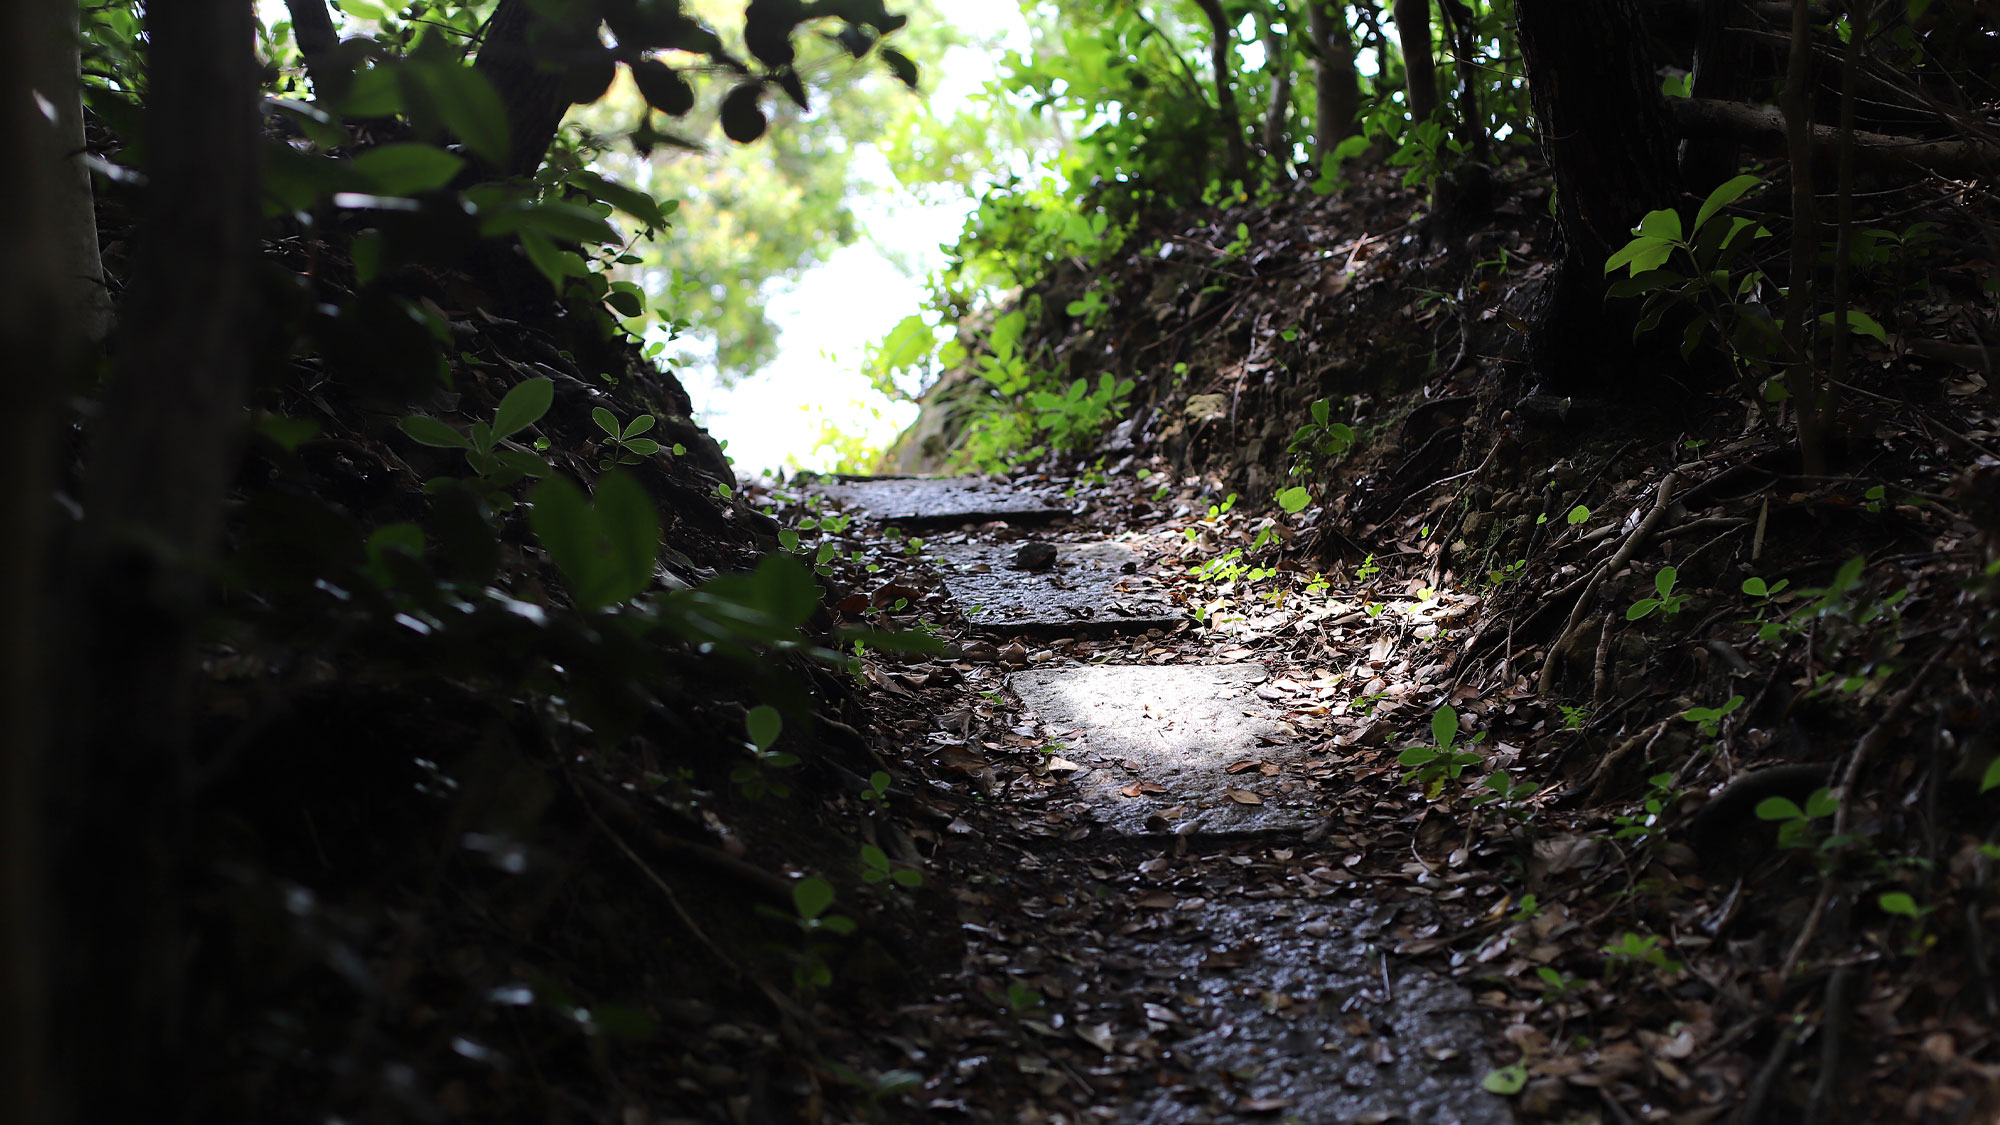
(388, 655)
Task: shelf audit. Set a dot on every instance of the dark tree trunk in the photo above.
(1338, 87)
(1606, 134)
(1413, 32)
(163, 452)
(529, 86)
(1722, 72)
(39, 335)
(1277, 58)
(312, 29)
(1230, 121)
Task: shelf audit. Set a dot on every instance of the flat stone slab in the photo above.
(1092, 588)
(940, 501)
(1174, 749)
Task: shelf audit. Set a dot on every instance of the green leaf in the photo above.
(1821, 803)
(567, 221)
(289, 433)
(763, 723)
(549, 261)
(407, 168)
(523, 406)
(1848, 574)
(811, 896)
(426, 430)
(1294, 500)
(606, 421)
(1444, 727)
(1728, 193)
(1641, 608)
(630, 200)
(567, 527)
(467, 103)
(1663, 224)
(1991, 779)
(1577, 515)
(630, 525)
(1897, 902)
(644, 447)
(1665, 579)
(1417, 756)
(1779, 808)
(1861, 322)
(1507, 1080)
(1641, 254)
(639, 425)
(1755, 587)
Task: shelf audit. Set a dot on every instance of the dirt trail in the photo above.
(1170, 904)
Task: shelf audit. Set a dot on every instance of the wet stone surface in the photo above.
(1090, 588)
(1291, 1010)
(1176, 749)
(913, 502)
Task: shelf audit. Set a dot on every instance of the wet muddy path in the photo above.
(1187, 887)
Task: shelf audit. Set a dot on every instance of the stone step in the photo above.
(929, 502)
(1173, 749)
(1090, 588)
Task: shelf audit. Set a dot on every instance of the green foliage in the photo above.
(876, 867)
(606, 545)
(1705, 271)
(1795, 824)
(1320, 441)
(626, 446)
(1709, 719)
(1666, 602)
(496, 467)
(1444, 759)
(1647, 823)
(1633, 950)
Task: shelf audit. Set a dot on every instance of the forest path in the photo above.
(1175, 906)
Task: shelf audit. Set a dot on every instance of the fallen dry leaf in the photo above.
(1244, 797)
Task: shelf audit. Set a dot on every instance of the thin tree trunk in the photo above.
(1277, 60)
(37, 337)
(1337, 97)
(312, 29)
(73, 210)
(1721, 71)
(1802, 377)
(531, 91)
(1413, 32)
(1471, 130)
(1843, 241)
(1229, 120)
(1604, 130)
(162, 454)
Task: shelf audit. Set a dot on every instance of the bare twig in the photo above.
(1617, 562)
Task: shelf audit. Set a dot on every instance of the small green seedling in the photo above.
(1445, 759)
(1709, 719)
(877, 792)
(1795, 827)
(1668, 602)
(876, 867)
(1577, 515)
(763, 724)
(1639, 949)
(497, 467)
(626, 446)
